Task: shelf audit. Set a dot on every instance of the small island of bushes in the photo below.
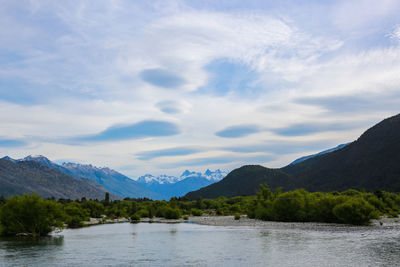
(32, 215)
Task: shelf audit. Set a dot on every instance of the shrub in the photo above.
(196, 212)
(355, 211)
(220, 211)
(74, 222)
(143, 213)
(171, 213)
(135, 218)
(289, 207)
(237, 217)
(30, 214)
(186, 217)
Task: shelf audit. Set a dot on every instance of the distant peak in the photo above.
(9, 158)
(186, 173)
(38, 158)
(208, 172)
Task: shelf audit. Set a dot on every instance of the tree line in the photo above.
(37, 216)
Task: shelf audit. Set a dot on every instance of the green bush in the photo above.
(237, 217)
(143, 213)
(135, 218)
(355, 211)
(171, 213)
(74, 221)
(30, 214)
(196, 212)
(289, 207)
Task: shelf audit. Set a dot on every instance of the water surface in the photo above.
(183, 244)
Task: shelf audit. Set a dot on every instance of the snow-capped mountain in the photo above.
(167, 179)
(162, 179)
(172, 186)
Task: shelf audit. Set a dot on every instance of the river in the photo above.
(188, 244)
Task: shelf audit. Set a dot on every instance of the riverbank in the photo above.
(243, 221)
(96, 221)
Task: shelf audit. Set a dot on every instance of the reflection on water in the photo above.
(22, 250)
(191, 244)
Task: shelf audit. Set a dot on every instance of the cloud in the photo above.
(354, 103)
(162, 78)
(170, 107)
(308, 128)
(396, 33)
(176, 151)
(238, 159)
(281, 147)
(12, 143)
(134, 131)
(69, 69)
(238, 131)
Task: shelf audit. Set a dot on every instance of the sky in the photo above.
(163, 86)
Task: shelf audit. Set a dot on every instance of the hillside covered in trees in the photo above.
(370, 163)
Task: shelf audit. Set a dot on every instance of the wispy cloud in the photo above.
(162, 78)
(354, 103)
(12, 143)
(281, 147)
(133, 131)
(238, 131)
(238, 160)
(175, 151)
(170, 106)
(308, 128)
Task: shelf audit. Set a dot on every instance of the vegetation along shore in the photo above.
(30, 214)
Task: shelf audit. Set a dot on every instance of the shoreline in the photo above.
(247, 222)
(244, 221)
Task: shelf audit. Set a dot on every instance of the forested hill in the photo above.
(242, 181)
(372, 162)
(17, 178)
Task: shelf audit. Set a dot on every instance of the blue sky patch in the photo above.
(229, 76)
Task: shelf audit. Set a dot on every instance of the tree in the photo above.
(30, 214)
(107, 198)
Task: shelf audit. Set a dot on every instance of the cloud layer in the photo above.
(157, 86)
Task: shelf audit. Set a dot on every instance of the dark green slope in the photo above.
(17, 178)
(243, 181)
(372, 163)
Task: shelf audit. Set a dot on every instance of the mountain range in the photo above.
(170, 186)
(19, 177)
(147, 186)
(372, 162)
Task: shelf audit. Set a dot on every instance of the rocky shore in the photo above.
(243, 221)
